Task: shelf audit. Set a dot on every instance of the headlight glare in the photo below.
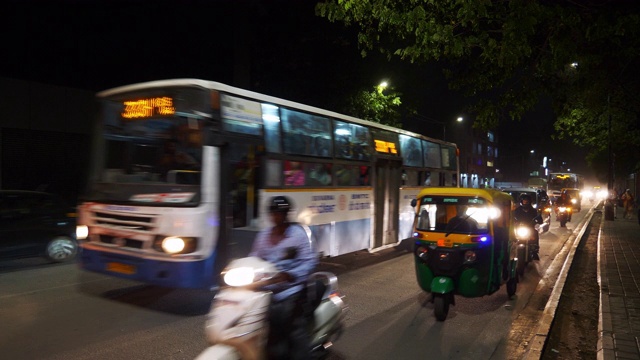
(82, 232)
(240, 276)
(173, 244)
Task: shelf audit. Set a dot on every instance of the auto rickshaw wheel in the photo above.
(441, 306)
(522, 261)
(512, 286)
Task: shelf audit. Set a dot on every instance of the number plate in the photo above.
(446, 242)
(121, 268)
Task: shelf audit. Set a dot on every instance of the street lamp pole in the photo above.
(444, 124)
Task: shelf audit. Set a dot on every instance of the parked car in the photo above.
(36, 224)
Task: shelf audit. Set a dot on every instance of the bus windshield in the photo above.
(148, 154)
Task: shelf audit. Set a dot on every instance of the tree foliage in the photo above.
(380, 105)
(505, 55)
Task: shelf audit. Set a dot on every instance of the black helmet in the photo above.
(280, 204)
(525, 197)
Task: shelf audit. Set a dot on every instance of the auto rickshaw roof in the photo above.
(492, 195)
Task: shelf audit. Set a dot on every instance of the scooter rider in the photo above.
(525, 213)
(287, 246)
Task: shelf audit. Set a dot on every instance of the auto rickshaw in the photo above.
(464, 244)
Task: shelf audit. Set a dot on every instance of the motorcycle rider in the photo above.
(526, 214)
(286, 245)
(564, 200)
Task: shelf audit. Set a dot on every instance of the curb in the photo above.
(537, 344)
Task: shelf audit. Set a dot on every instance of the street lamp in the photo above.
(383, 85)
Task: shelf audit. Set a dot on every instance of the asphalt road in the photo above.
(61, 312)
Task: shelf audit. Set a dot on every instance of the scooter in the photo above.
(526, 235)
(237, 324)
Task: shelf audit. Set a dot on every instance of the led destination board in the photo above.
(144, 108)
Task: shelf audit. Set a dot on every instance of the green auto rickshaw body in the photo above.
(468, 262)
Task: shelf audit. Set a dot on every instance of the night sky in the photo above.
(278, 48)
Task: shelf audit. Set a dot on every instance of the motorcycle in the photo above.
(237, 325)
(526, 236)
(563, 214)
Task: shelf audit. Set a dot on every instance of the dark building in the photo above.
(44, 137)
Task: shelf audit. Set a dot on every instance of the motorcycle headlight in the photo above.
(574, 201)
(562, 209)
(240, 276)
(523, 232)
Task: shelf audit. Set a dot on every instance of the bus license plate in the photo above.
(445, 242)
(121, 268)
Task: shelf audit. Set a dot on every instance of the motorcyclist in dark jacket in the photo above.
(527, 215)
(564, 200)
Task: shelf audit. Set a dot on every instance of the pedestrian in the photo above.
(627, 204)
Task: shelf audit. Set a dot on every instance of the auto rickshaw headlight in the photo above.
(469, 256)
(494, 212)
(422, 252)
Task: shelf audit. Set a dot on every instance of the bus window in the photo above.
(273, 172)
(431, 154)
(320, 175)
(300, 130)
(271, 120)
(410, 177)
(347, 175)
(294, 174)
(352, 141)
(410, 149)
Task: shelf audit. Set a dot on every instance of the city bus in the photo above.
(182, 171)
(560, 180)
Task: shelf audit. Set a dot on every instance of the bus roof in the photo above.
(492, 195)
(212, 85)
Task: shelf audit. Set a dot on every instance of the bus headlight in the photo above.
(175, 244)
(82, 232)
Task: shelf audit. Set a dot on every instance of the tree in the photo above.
(375, 106)
(506, 55)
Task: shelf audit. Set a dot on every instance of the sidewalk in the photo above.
(619, 278)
